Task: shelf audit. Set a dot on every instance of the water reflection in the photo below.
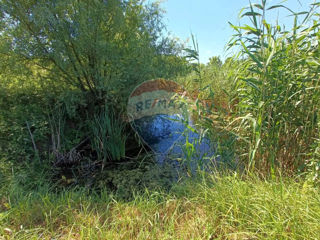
(160, 132)
(171, 140)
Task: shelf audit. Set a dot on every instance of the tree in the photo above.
(101, 47)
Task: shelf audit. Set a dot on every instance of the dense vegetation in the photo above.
(71, 166)
(220, 208)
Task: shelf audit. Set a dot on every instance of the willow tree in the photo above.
(99, 46)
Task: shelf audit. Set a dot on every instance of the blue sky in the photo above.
(208, 20)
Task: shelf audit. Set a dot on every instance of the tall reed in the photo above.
(109, 136)
(277, 90)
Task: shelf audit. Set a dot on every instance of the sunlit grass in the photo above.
(226, 208)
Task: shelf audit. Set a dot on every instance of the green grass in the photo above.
(229, 207)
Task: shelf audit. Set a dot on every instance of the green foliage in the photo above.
(64, 61)
(67, 120)
(106, 48)
(313, 164)
(277, 91)
(67, 68)
(109, 139)
(17, 109)
(211, 90)
(261, 105)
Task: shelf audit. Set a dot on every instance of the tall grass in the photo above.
(221, 207)
(109, 137)
(263, 102)
(278, 90)
(266, 98)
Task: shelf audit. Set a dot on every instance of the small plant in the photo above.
(108, 136)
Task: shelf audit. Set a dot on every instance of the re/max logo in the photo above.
(158, 103)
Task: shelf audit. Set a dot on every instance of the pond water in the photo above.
(158, 111)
